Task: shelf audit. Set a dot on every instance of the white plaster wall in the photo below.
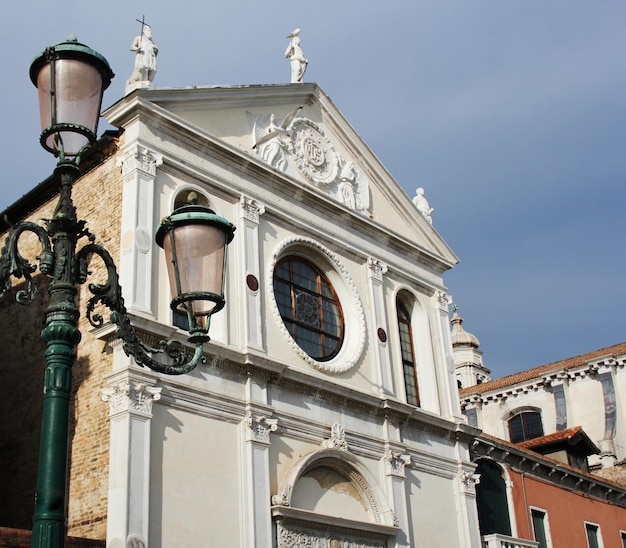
(587, 406)
(194, 476)
(432, 510)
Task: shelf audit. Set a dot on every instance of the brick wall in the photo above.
(97, 196)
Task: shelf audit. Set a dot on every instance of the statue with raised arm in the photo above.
(296, 56)
(145, 60)
(422, 205)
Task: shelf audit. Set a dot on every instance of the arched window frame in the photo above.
(527, 417)
(408, 355)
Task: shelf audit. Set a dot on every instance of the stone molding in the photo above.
(294, 537)
(443, 301)
(563, 376)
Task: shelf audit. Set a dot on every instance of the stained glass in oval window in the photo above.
(309, 307)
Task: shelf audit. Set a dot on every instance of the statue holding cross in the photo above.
(145, 60)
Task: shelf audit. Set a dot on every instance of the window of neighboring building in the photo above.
(309, 307)
(594, 539)
(540, 527)
(408, 355)
(525, 425)
(623, 537)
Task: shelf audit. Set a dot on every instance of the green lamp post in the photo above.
(71, 79)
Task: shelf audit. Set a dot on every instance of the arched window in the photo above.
(408, 355)
(525, 425)
(493, 506)
(309, 307)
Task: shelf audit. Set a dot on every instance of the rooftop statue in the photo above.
(422, 205)
(296, 56)
(145, 60)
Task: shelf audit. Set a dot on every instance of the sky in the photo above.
(510, 114)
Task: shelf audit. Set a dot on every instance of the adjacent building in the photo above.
(551, 456)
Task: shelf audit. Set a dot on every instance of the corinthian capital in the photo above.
(140, 158)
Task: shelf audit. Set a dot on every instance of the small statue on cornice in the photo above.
(145, 60)
(422, 205)
(296, 56)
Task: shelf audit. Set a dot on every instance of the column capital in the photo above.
(259, 427)
(140, 158)
(131, 396)
(251, 209)
(377, 269)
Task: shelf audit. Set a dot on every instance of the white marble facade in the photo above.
(266, 445)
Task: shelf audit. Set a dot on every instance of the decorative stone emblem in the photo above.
(337, 438)
(315, 157)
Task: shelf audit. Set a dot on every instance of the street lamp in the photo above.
(71, 79)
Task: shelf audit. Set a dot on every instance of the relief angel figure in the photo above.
(272, 139)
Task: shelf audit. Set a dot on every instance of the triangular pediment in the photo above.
(295, 130)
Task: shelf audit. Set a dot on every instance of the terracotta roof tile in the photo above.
(566, 434)
(542, 370)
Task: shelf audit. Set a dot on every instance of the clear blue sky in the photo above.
(512, 116)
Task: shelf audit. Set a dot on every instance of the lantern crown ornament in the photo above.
(70, 78)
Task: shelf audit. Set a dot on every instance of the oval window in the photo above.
(309, 307)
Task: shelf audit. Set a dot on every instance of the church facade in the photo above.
(327, 411)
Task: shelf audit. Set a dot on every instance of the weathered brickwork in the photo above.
(97, 196)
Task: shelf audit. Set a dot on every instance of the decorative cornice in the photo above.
(563, 475)
(127, 396)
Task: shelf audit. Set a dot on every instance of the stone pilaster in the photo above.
(139, 169)
(251, 212)
(130, 397)
(378, 319)
(256, 428)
